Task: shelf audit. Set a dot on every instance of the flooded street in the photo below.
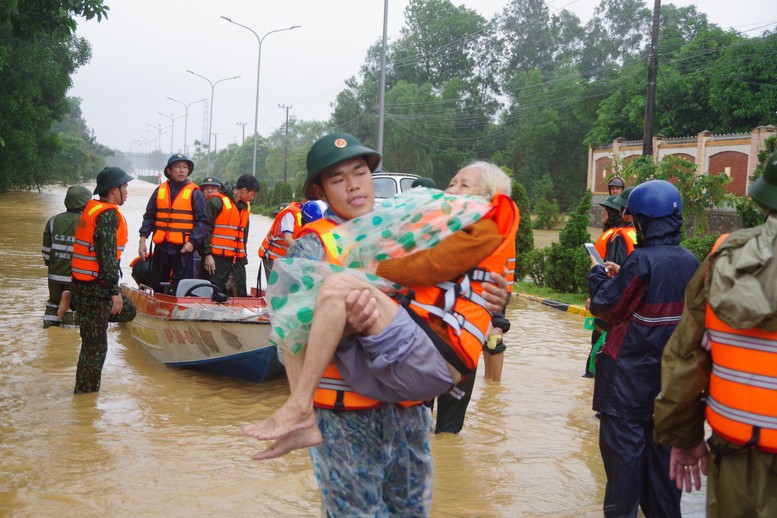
(158, 441)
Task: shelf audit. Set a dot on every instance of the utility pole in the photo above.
(382, 85)
(242, 125)
(650, 98)
(285, 142)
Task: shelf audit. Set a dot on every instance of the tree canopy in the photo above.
(38, 55)
(530, 89)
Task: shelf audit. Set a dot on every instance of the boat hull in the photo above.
(230, 339)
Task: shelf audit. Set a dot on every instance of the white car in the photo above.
(389, 184)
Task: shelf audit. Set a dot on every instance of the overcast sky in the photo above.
(141, 53)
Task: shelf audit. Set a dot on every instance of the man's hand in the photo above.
(187, 248)
(142, 248)
(209, 263)
(687, 466)
(496, 293)
(118, 303)
(361, 310)
(611, 268)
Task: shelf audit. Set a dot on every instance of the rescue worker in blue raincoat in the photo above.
(642, 299)
(176, 216)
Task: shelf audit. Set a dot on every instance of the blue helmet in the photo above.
(313, 210)
(655, 199)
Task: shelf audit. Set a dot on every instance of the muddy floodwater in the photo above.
(157, 441)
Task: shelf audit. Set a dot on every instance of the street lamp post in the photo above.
(172, 128)
(186, 119)
(258, 70)
(159, 129)
(210, 122)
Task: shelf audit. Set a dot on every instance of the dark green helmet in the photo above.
(333, 149)
(609, 202)
(178, 158)
(622, 199)
(109, 178)
(210, 180)
(764, 189)
(424, 181)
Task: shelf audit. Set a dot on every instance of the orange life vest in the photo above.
(742, 398)
(274, 245)
(333, 392)
(174, 218)
(629, 235)
(84, 264)
(459, 304)
(229, 229)
(601, 242)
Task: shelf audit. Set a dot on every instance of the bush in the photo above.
(566, 269)
(524, 238)
(548, 214)
(568, 264)
(700, 246)
(534, 261)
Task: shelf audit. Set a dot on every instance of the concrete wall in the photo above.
(735, 155)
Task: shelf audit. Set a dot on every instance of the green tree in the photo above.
(80, 156)
(698, 192)
(524, 238)
(33, 83)
(54, 18)
(38, 55)
(615, 34)
(567, 263)
(750, 213)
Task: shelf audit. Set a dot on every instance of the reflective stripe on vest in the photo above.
(84, 264)
(274, 245)
(742, 399)
(174, 220)
(59, 254)
(601, 242)
(229, 230)
(460, 304)
(333, 392)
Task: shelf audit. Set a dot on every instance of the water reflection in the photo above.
(157, 441)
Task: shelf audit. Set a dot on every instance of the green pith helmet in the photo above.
(109, 178)
(210, 180)
(764, 189)
(178, 158)
(609, 202)
(622, 199)
(333, 149)
(424, 182)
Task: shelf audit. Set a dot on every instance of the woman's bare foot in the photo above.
(64, 304)
(287, 419)
(305, 438)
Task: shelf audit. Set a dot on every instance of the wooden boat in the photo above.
(230, 338)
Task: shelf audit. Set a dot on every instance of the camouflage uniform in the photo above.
(92, 301)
